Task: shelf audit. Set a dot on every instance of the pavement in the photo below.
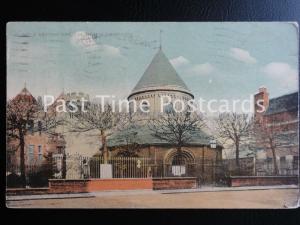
(48, 196)
(138, 192)
(214, 189)
(206, 197)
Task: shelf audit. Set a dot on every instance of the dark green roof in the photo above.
(285, 103)
(160, 75)
(144, 136)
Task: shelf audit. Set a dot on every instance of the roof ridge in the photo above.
(281, 96)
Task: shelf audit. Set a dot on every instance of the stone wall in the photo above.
(91, 185)
(61, 186)
(239, 181)
(27, 191)
(119, 184)
(174, 183)
(57, 186)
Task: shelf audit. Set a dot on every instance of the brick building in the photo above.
(281, 120)
(37, 143)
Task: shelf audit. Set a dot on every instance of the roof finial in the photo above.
(63, 83)
(160, 31)
(25, 89)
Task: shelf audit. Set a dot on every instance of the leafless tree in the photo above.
(236, 128)
(100, 118)
(271, 136)
(129, 136)
(23, 116)
(176, 128)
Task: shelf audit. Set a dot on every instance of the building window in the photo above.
(168, 108)
(40, 152)
(282, 160)
(60, 150)
(145, 107)
(30, 126)
(30, 153)
(295, 162)
(269, 163)
(40, 127)
(269, 160)
(283, 165)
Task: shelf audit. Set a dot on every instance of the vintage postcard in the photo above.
(152, 115)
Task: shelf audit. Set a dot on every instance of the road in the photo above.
(275, 198)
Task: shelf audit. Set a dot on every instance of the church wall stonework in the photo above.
(160, 152)
(156, 99)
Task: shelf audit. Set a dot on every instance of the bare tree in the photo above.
(176, 128)
(99, 118)
(236, 128)
(129, 136)
(270, 136)
(23, 116)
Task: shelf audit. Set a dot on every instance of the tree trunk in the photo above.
(179, 153)
(276, 171)
(22, 159)
(203, 160)
(104, 146)
(64, 165)
(237, 156)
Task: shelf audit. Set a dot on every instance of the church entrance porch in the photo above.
(184, 164)
(179, 161)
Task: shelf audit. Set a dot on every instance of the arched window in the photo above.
(169, 108)
(145, 106)
(178, 159)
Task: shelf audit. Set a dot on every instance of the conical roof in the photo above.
(25, 96)
(160, 75)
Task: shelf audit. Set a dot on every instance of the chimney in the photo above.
(260, 99)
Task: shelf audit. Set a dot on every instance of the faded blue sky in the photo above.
(216, 60)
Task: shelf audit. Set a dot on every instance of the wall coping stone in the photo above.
(174, 178)
(92, 179)
(27, 189)
(247, 177)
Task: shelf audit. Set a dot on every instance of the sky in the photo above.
(217, 60)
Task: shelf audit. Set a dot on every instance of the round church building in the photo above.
(161, 79)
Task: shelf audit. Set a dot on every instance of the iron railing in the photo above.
(207, 171)
(82, 167)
